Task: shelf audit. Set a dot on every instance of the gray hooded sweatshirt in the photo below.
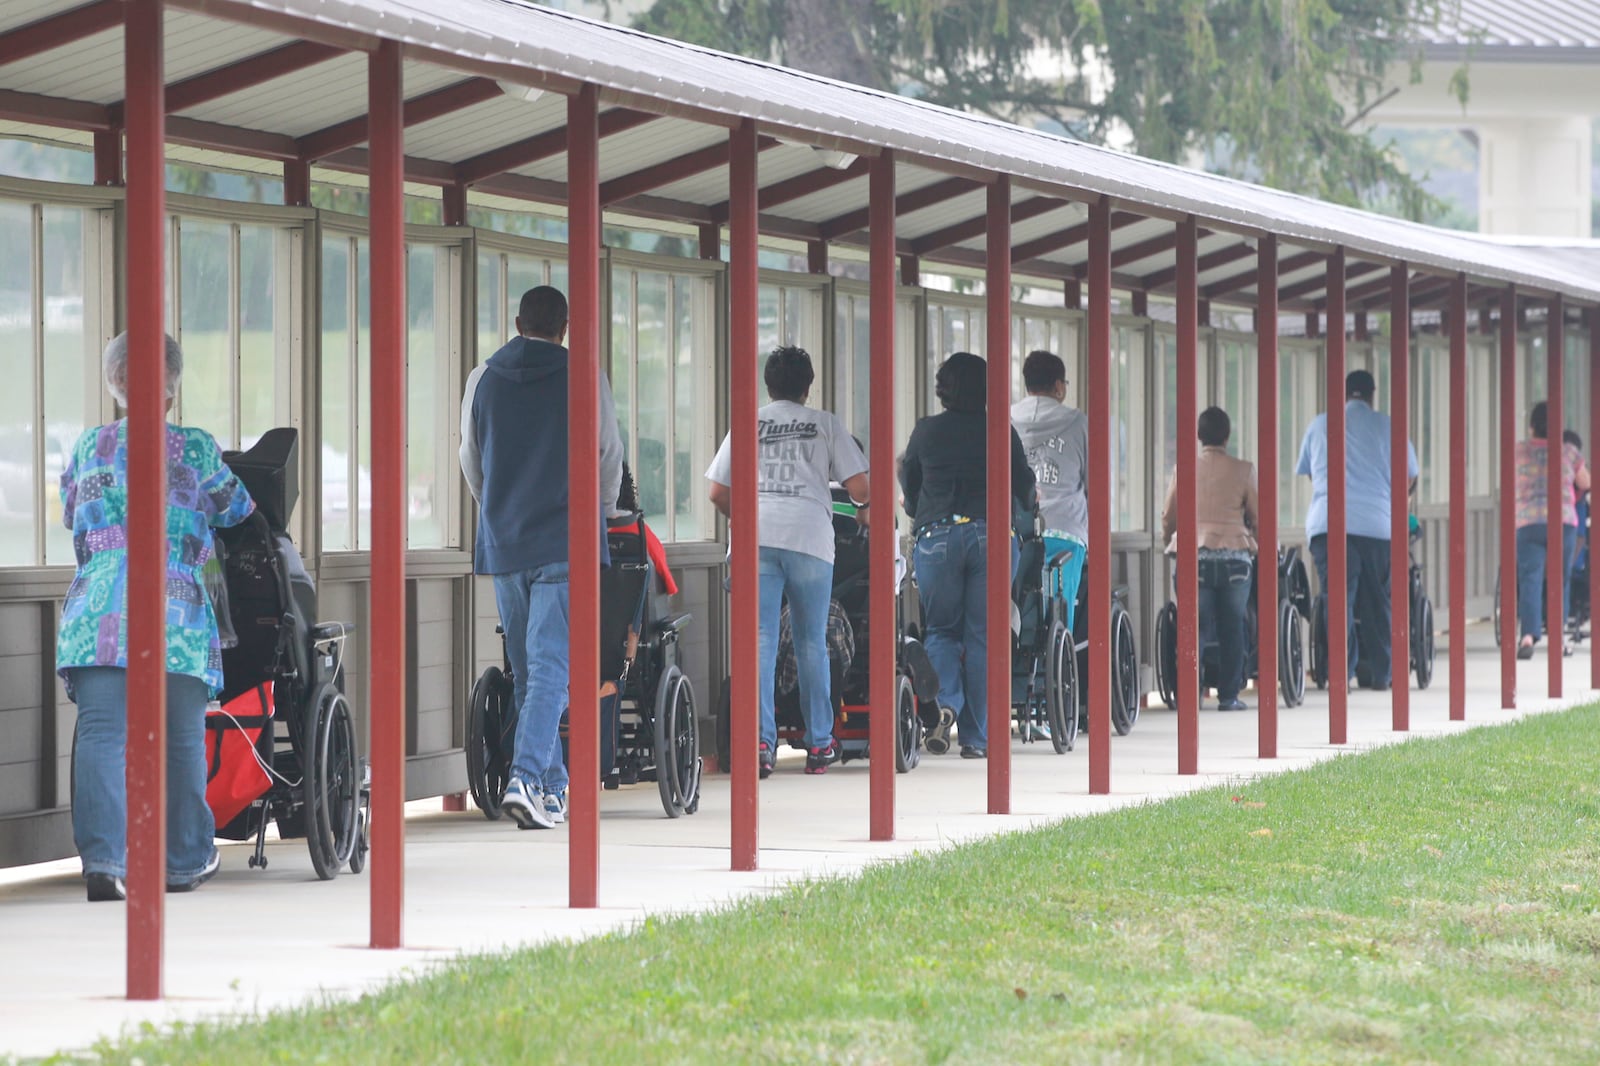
(1056, 440)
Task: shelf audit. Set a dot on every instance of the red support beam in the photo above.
(108, 157)
(436, 104)
(146, 772)
(1458, 507)
(910, 270)
(247, 73)
(542, 146)
(1313, 324)
(1338, 600)
(1061, 241)
(904, 204)
(973, 228)
(1362, 329)
(297, 184)
(1072, 294)
(817, 257)
(1141, 303)
(1555, 373)
(710, 241)
(453, 204)
(882, 491)
(1245, 279)
(1593, 320)
(583, 488)
(1400, 495)
(1099, 399)
(812, 181)
(1267, 489)
(1187, 562)
(1208, 262)
(684, 166)
(1509, 629)
(997, 505)
(387, 641)
(53, 111)
(744, 579)
(56, 31)
(1311, 285)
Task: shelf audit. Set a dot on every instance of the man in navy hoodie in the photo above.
(514, 426)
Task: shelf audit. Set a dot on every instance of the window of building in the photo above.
(1300, 389)
(1032, 330)
(663, 345)
(1130, 351)
(954, 325)
(503, 276)
(1235, 373)
(852, 362)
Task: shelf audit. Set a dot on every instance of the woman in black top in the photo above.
(945, 478)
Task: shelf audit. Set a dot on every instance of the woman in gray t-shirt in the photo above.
(801, 449)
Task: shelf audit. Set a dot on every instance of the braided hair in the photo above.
(628, 494)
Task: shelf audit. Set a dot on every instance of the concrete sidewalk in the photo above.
(253, 940)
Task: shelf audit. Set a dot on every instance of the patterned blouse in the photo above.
(201, 492)
(1532, 488)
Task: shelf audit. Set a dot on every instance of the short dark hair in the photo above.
(1359, 383)
(1041, 370)
(1571, 437)
(789, 374)
(959, 382)
(543, 311)
(1214, 428)
(1539, 419)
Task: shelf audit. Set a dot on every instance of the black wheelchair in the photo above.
(1294, 607)
(1044, 660)
(1125, 694)
(916, 687)
(648, 725)
(1423, 643)
(308, 747)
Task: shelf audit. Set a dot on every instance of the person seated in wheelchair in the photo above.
(1225, 505)
(1532, 505)
(1055, 438)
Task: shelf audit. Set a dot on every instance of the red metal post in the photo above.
(1593, 320)
(883, 491)
(108, 156)
(387, 633)
(743, 291)
(1338, 605)
(1188, 592)
(583, 480)
(146, 774)
(1399, 492)
(1267, 495)
(453, 206)
(297, 183)
(1555, 621)
(997, 287)
(1509, 629)
(1099, 393)
(1458, 507)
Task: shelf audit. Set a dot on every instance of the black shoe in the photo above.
(209, 871)
(105, 888)
(970, 751)
(1524, 651)
(767, 761)
(819, 759)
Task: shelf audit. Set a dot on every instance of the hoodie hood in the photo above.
(527, 360)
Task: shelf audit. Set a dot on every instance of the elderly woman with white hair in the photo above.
(92, 642)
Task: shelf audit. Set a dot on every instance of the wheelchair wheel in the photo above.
(1167, 654)
(1291, 654)
(331, 785)
(1124, 672)
(1061, 689)
(907, 727)
(1422, 641)
(677, 744)
(1497, 608)
(489, 741)
(1319, 642)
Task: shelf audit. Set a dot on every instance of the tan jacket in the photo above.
(1225, 503)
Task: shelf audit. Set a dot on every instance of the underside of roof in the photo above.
(1542, 30)
(284, 82)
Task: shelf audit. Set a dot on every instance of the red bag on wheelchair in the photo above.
(235, 775)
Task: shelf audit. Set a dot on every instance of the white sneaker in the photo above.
(526, 806)
(555, 805)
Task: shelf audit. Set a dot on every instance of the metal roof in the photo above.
(464, 59)
(1538, 30)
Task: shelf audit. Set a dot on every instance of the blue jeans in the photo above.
(1224, 592)
(100, 786)
(1366, 583)
(533, 612)
(807, 581)
(1530, 575)
(952, 579)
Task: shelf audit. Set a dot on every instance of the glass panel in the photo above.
(71, 361)
(844, 356)
(686, 488)
(205, 289)
(363, 385)
(794, 318)
(768, 310)
(492, 331)
(522, 273)
(338, 420)
(622, 362)
(558, 275)
(1128, 359)
(259, 295)
(424, 428)
(653, 397)
(18, 487)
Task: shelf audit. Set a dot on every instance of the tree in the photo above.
(1264, 89)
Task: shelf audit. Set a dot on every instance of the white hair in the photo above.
(114, 363)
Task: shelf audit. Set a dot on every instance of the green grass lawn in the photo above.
(1437, 901)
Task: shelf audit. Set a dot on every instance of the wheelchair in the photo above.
(1423, 647)
(916, 688)
(306, 744)
(1044, 660)
(1294, 606)
(1578, 606)
(647, 708)
(1125, 694)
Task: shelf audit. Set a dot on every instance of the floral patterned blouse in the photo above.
(1532, 489)
(201, 492)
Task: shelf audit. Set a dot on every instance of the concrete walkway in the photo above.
(253, 940)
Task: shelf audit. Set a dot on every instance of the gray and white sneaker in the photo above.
(555, 805)
(938, 739)
(525, 804)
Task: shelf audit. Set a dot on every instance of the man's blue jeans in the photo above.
(807, 581)
(952, 577)
(533, 612)
(1224, 590)
(99, 791)
(1366, 582)
(1531, 545)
